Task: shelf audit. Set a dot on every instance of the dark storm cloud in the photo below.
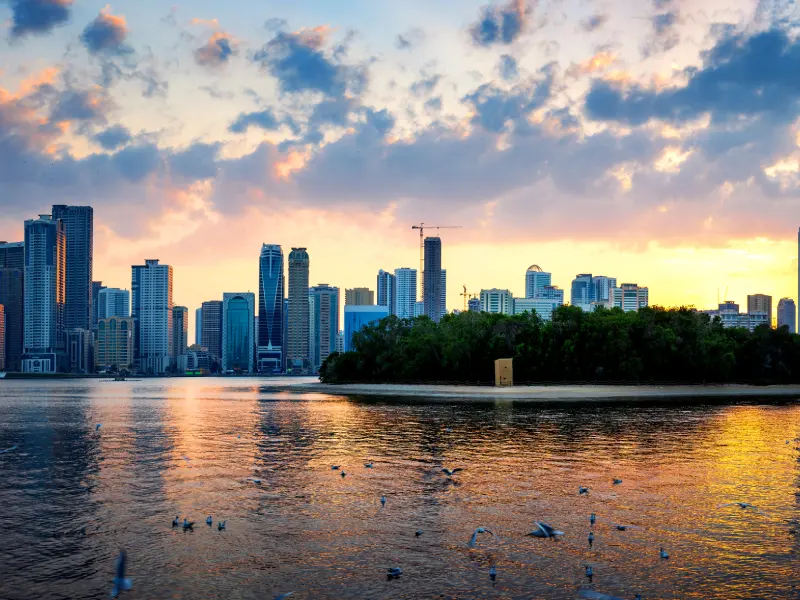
(106, 35)
(264, 119)
(499, 24)
(113, 137)
(37, 16)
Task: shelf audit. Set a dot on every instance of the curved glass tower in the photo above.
(270, 309)
(237, 332)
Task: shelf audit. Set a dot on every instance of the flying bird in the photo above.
(474, 537)
(121, 583)
(451, 472)
(544, 531)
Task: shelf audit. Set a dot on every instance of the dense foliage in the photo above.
(651, 345)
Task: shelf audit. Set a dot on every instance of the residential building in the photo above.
(79, 230)
(324, 323)
(603, 290)
(444, 293)
(113, 302)
(497, 302)
(432, 278)
(238, 332)
(212, 330)
(198, 326)
(387, 291)
(358, 317)
(474, 305)
(285, 331)
(630, 297)
(79, 351)
(180, 337)
(359, 297)
(2, 338)
(787, 314)
(96, 287)
(406, 282)
(536, 280)
(113, 349)
(271, 330)
(419, 308)
(340, 341)
(44, 342)
(729, 315)
(760, 303)
(543, 307)
(298, 355)
(151, 293)
(12, 297)
(582, 293)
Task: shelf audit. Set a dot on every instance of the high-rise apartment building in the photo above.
(536, 280)
(324, 324)
(358, 317)
(212, 330)
(44, 342)
(96, 287)
(760, 303)
(297, 355)
(582, 293)
(271, 334)
(497, 302)
(113, 350)
(79, 230)
(12, 297)
(113, 302)
(151, 292)
(180, 336)
(2, 338)
(406, 284)
(238, 335)
(432, 278)
(198, 326)
(359, 297)
(787, 313)
(340, 341)
(387, 291)
(443, 295)
(630, 297)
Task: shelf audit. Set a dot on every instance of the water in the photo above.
(72, 497)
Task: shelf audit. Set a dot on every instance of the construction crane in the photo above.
(422, 227)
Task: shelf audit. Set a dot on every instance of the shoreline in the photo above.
(553, 393)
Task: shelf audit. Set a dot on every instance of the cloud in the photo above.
(508, 67)
(38, 16)
(594, 22)
(87, 106)
(264, 119)
(113, 137)
(425, 86)
(433, 105)
(410, 39)
(499, 25)
(215, 92)
(106, 34)
(217, 51)
(300, 64)
(664, 36)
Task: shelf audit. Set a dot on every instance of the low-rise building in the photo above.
(497, 302)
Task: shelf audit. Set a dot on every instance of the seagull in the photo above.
(221, 525)
(368, 465)
(176, 521)
(493, 573)
(209, 521)
(418, 532)
(383, 500)
(284, 596)
(591, 538)
(617, 481)
(98, 426)
(739, 504)
(475, 535)
(187, 524)
(334, 467)
(544, 531)
(582, 490)
(592, 595)
(622, 527)
(592, 518)
(663, 553)
(589, 572)
(394, 572)
(121, 583)
(451, 472)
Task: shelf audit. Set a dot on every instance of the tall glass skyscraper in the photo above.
(270, 310)
(787, 313)
(96, 287)
(237, 332)
(151, 309)
(180, 334)
(113, 302)
(324, 322)
(432, 278)
(198, 326)
(79, 230)
(582, 293)
(45, 265)
(406, 283)
(603, 290)
(387, 291)
(212, 329)
(12, 297)
(535, 280)
(297, 354)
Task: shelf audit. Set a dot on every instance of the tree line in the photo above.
(653, 345)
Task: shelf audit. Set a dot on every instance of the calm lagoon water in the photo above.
(71, 496)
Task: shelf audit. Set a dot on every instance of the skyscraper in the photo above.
(297, 355)
(212, 329)
(387, 291)
(44, 343)
(2, 338)
(96, 287)
(497, 302)
(630, 297)
(180, 335)
(358, 317)
(359, 297)
(535, 280)
(787, 314)
(113, 302)
(79, 229)
(603, 290)
(198, 326)
(432, 278)
(444, 292)
(151, 291)
(474, 305)
(270, 310)
(406, 284)
(12, 297)
(582, 291)
(760, 303)
(324, 322)
(237, 332)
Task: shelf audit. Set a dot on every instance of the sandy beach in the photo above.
(555, 393)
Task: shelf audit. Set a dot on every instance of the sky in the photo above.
(652, 141)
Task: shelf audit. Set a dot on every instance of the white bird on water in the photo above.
(474, 537)
(544, 531)
(451, 472)
(121, 583)
(221, 525)
(383, 500)
(209, 521)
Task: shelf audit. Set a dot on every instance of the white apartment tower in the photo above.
(406, 284)
(151, 286)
